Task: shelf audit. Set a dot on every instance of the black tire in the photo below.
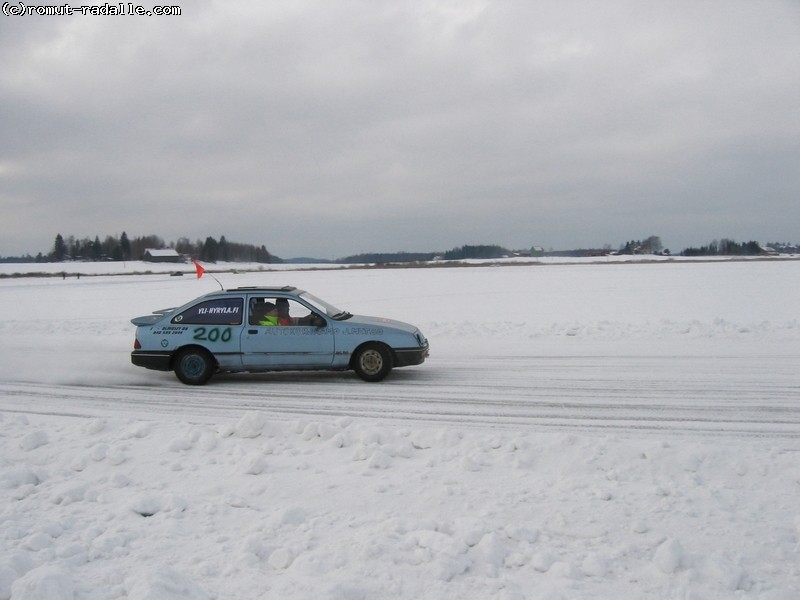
(194, 366)
(372, 362)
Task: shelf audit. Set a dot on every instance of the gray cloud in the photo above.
(330, 129)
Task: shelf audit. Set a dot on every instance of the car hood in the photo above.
(379, 322)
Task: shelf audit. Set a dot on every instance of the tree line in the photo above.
(122, 248)
(726, 247)
(460, 253)
(651, 245)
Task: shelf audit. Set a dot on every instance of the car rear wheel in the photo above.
(194, 366)
(372, 362)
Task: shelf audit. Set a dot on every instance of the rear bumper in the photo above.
(407, 357)
(158, 361)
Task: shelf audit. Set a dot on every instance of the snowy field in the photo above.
(581, 430)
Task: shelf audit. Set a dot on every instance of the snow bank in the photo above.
(345, 509)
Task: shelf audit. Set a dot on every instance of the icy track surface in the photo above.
(580, 431)
(756, 397)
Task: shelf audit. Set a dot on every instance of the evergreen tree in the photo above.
(125, 246)
(262, 256)
(210, 250)
(97, 249)
(59, 249)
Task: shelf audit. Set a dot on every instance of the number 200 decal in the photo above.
(212, 334)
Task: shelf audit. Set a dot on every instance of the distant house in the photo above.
(162, 255)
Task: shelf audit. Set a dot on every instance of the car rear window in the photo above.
(222, 311)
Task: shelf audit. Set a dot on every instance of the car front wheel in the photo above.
(194, 366)
(372, 362)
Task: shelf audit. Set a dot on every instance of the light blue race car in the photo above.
(259, 329)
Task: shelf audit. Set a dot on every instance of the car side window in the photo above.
(268, 311)
(258, 309)
(222, 311)
(298, 313)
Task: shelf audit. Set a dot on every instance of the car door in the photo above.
(301, 338)
(215, 324)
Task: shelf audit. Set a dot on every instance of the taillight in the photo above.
(136, 344)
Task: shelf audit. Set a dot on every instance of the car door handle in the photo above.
(252, 331)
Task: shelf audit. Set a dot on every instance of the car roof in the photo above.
(258, 289)
(286, 289)
(254, 288)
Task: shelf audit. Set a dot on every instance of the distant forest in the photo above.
(728, 248)
(462, 253)
(649, 246)
(123, 248)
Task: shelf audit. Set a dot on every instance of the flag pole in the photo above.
(201, 271)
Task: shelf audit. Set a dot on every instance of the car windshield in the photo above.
(324, 307)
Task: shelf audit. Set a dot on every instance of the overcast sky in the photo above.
(332, 128)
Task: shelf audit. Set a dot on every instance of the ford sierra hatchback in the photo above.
(258, 329)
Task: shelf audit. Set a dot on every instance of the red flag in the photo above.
(200, 269)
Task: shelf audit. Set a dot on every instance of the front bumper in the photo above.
(407, 357)
(158, 361)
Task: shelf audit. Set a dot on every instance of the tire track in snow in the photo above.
(728, 396)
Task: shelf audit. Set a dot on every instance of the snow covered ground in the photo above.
(608, 430)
